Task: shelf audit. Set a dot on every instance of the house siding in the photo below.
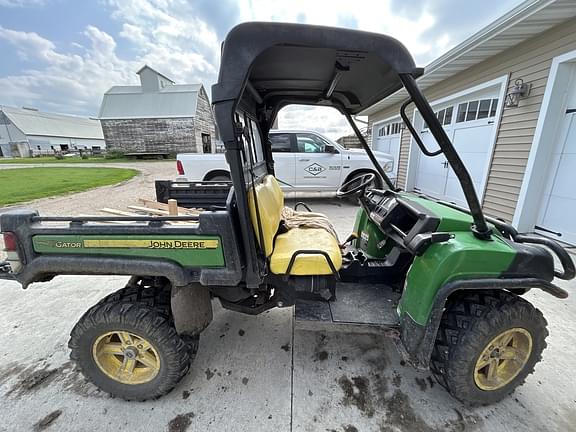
(530, 61)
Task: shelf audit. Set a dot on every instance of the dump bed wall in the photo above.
(205, 252)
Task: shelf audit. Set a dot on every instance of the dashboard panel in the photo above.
(405, 222)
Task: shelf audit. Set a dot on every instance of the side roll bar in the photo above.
(415, 135)
(480, 227)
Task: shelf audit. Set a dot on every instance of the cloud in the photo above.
(327, 121)
(163, 34)
(22, 3)
(67, 82)
(347, 20)
(371, 15)
(181, 39)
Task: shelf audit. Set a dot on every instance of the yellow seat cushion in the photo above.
(305, 239)
(270, 200)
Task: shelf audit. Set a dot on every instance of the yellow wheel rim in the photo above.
(503, 359)
(126, 357)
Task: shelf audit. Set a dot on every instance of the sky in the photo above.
(62, 55)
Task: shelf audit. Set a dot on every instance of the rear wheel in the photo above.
(487, 344)
(154, 293)
(127, 344)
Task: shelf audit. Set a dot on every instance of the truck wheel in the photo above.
(487, 344)
(220, 178)
(129, 350)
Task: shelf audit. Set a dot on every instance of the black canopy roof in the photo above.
(297, 63)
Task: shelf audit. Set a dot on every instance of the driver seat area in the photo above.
(265, 202)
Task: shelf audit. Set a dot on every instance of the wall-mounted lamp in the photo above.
(518, 91)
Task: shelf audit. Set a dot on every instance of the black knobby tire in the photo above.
(220, 178)
(144, 311)
(470, 322)
(155, 296)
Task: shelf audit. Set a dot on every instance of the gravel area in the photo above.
(116, 196)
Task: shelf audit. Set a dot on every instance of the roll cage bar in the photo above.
(266, 66)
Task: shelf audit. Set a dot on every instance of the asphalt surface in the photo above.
(255, 373)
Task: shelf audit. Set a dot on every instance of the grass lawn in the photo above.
(75, 159)
(25, 184)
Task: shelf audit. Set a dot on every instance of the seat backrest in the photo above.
(270, 200)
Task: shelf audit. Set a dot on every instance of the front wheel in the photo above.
(487, 344)
(129, 350)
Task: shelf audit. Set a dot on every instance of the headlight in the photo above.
(388, 166)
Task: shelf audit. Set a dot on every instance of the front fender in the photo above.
(418, 340)
(463, 257)
(464, 263)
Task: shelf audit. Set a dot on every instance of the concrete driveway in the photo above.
(258, 373)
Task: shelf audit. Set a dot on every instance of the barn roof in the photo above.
(130, 102)
(33, 122)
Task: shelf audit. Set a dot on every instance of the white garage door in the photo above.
(387, 140)
(469, 122)
(559, 205)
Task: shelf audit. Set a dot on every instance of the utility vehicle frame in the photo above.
(455, 276)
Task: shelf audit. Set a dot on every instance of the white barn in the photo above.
(26, 132)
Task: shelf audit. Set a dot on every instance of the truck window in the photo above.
(255, 141)
(280, 143)
(309, 143)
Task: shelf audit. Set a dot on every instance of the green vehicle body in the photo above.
(187, 251)
(435, 250)
(463, 257)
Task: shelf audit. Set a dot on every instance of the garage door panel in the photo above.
(471, 129)
(565, 181)
(455, 193)
(570, 141)
(559, 216)
(559, 202)
(431, 175)
(472, 163)
(387, 140)
(473, 139)
(432, 184)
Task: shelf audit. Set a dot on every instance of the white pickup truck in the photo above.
(303, 161)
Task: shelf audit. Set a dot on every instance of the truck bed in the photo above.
(200, 194)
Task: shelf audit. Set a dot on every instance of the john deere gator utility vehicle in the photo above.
(446, 282)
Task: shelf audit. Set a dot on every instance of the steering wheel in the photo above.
(355, 185)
